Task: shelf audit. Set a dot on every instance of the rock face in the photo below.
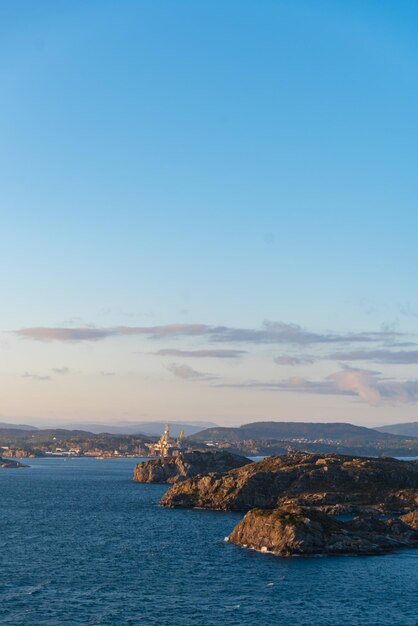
(187, 464)
(334, 483)
(11, 464)
(411, 519)
(298, 531)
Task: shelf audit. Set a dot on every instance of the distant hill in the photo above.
(55, 440)
(17, 426)
(49, 438)
(151, 429)
(409, 429)
(285, 431)
(38, 435)
(272, 438)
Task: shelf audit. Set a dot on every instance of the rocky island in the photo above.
(293, 503)
(11, 464)
(297, 531)
(173, 469)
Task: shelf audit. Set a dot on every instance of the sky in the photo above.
(208, 210)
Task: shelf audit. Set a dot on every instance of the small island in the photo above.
(289, 531)
(11, 464)
(294, 503)
(173, 469)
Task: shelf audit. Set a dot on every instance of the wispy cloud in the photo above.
(368, 385)
(108, 373)
(293, 334)
(408, 311)
(373, 389)
(61, 370)
(215, 354)
(36, 377)
(293, 383)
(188, 373)
(168, 330)
(285, 359)
(43, 333)
(378, 356)
(47, 333)
(269, 333)
(363, 383)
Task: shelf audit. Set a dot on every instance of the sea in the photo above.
(81, 544)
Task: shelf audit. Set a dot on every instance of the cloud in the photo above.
(216, 354)
(360, 382)
(169, 330)
(42, 333)
(35, 376)
(293, 383)
(293, 334)
(374, 390)
(408, 311)
(293, 360)
(108, 373)
(188, 373)
(379, 356)
(46, 333)
(368, 385)
(61, 370)
(269, 333)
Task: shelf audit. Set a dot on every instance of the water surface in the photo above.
(81, 544)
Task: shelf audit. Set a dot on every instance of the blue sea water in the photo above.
(81, 544)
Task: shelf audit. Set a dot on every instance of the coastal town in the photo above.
(250, 440)
(68, 444)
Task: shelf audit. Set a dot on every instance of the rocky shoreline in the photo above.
(292, 503)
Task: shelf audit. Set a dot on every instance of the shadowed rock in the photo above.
(173, 469)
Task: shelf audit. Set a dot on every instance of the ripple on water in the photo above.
(81, 544)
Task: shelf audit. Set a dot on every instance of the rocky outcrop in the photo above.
(299, 531)
(11, 464)
(411, 519)
(174, 469)
(337, 484)
(293, 503)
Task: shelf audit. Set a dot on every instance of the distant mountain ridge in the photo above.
(285, 431)
(407, 429)
(150, 429)
(17, 426)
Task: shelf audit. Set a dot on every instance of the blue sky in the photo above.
(213, 163)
